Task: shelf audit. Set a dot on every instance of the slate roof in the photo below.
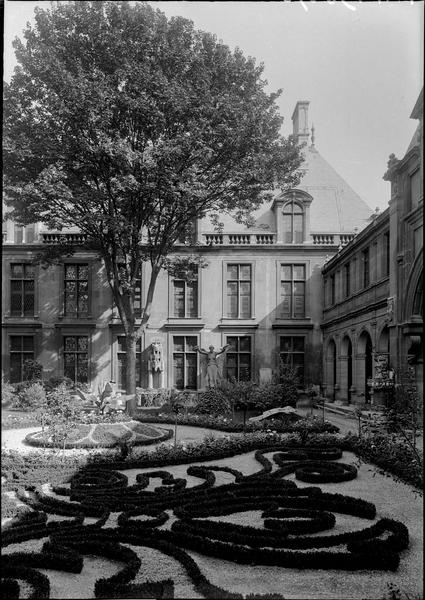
(335, 208)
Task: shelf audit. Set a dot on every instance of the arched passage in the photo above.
(364, 366)
(331, 372)
(346, 369)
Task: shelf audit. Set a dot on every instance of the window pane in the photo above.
(29, 271)
(15, 368)
(70, 344)
(297, 209)
(232, 271)
(191, 342)
(287, 229)
(233, 342)
(82, 343)
(245, 344)
(179, 299)
(298, 228)
(299, 272)
(178, 344)
(298, 344)
(17, 270)
(28, 298)
(15, 343)
(245, 272)
(28, 343)
(285, 272)
(299, 306)
(19, 234)
(121, 343)
(285, 344)
(245, 300)
(232, 300)
(192, 299)
(121, 370)
(83, 272)
(231, 361)
(16, 297)
(191, 371)
(70, 272)
(178, 372)
(82, 368)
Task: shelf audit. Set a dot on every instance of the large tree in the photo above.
(131, 126)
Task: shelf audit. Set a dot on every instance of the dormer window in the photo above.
(293, 223)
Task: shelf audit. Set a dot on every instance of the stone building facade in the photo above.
(261, 292)
(373, 290)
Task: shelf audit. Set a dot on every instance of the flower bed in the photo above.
(103, 435)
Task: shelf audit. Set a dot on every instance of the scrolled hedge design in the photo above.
(289, 516)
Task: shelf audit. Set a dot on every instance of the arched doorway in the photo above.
(347, 371)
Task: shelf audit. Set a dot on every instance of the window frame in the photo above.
(286, 213)
(22, 279)
(239, 334)
(332, 288)
(291, 353)
(292, 281)
(172, 352)
(347, 280)
(75, 353)
(20, 352)
(225, 280)
(186, 315)
(78, 263)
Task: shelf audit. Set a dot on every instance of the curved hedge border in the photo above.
(288, 512)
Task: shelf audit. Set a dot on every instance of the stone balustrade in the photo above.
(57, 238)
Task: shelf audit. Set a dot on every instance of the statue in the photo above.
(156, 364)
(213, 374)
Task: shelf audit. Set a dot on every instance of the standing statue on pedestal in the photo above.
(213, 374)
(156, 364)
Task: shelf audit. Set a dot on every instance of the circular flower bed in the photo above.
(103, 435)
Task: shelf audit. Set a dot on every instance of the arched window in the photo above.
(293, 223)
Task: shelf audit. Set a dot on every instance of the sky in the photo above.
(359, 64)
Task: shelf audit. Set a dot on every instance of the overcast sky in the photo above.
(359, 65)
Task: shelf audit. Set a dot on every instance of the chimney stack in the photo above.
(300, 121)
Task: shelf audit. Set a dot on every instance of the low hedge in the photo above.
(309, 425)
(38, 581)
(104, 435)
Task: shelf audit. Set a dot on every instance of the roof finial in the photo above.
(312, 135)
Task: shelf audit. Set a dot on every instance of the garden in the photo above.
(280, 508)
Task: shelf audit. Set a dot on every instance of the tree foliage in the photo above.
(131, 126)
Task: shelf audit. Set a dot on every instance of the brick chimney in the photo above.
(300, 121)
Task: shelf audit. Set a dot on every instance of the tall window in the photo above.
(122, 362)
(21, 348)
(185, 361)
(366, 268)
(185, 298)
(347, 279)
(238, 291)
(76, 357)
(76, 290)
(292, 352)
(238, 358)
(292, 291)
(332, 278)
(386, 254)
(21, 290)
(293, 223)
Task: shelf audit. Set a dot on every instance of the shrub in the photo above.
(32, 370)
(152, 398)
(54, 382)
(213, 402)
(30, 396)
(7, 393)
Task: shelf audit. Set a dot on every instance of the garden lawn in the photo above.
(392, 499)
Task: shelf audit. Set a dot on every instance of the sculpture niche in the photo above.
(213, 374)
(156, 365)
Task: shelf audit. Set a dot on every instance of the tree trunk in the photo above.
(130, 373)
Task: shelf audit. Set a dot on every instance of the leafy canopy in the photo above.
(130, 126)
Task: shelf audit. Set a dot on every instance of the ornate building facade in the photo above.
(373, 289)
(262, 293)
